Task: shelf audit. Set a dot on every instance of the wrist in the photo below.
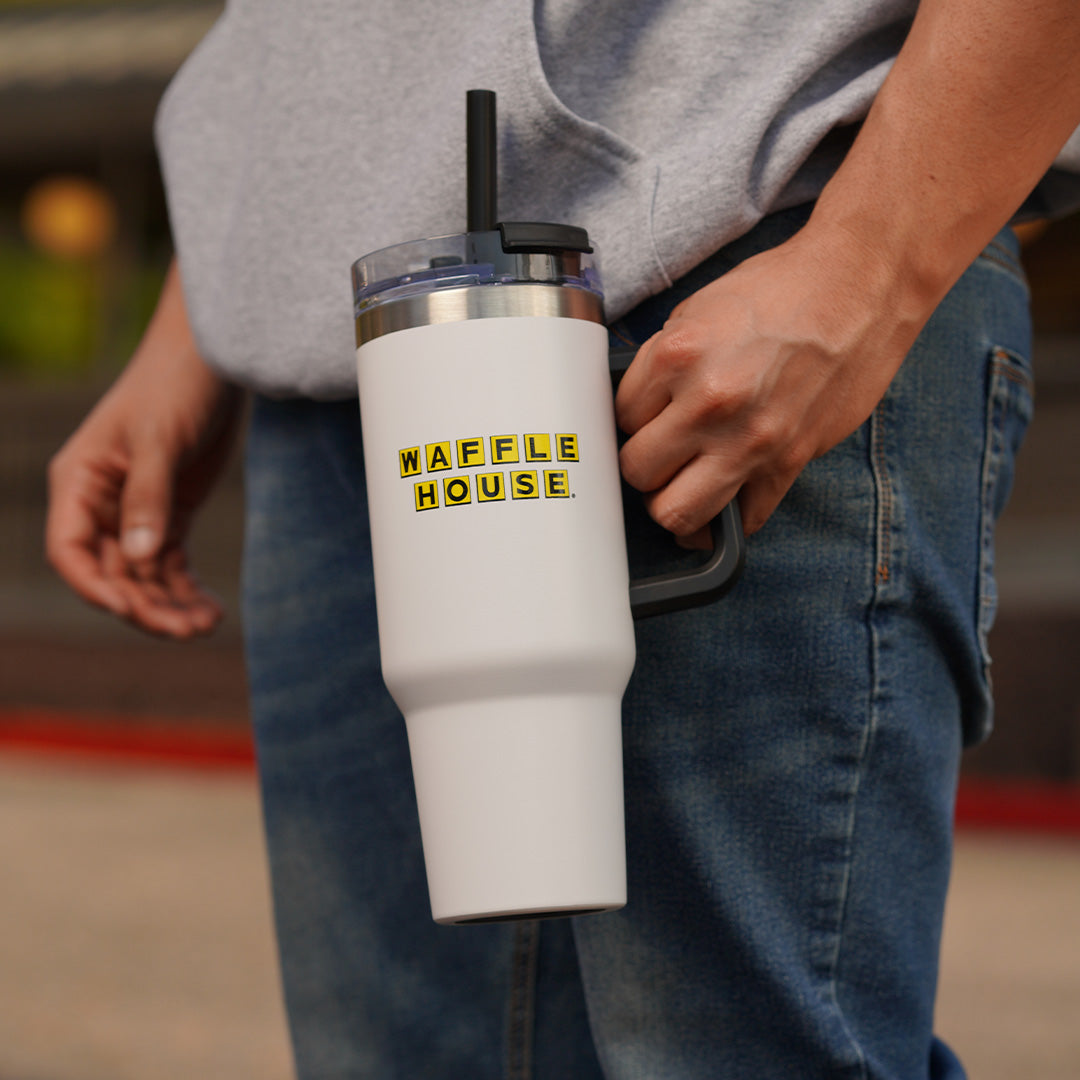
(895, 247)
(867, 295)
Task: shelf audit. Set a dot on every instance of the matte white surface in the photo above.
(521, 804)
(512, 600)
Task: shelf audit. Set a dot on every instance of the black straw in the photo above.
(481, 165)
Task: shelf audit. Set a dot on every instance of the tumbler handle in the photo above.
(702, 584)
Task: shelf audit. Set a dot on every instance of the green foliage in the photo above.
(49, 313)
(69, 318)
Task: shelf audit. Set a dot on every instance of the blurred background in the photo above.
(134, 919)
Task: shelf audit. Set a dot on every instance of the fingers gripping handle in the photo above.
(702, 584)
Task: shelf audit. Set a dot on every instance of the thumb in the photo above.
(146, 505)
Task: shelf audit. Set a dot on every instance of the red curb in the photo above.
(134, 740)
(1043, 807)
(172, 742)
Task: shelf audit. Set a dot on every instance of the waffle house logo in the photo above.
(490, 468)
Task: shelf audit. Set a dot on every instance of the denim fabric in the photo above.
(790, 753)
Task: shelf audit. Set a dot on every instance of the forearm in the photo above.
(981, 99)
(170, 321)
(168, 345)
(165, 370)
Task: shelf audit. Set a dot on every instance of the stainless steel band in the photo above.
(478, 302)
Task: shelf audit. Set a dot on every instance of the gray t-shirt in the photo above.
(299, 137)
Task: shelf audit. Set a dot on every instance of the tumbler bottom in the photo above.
(521, 806)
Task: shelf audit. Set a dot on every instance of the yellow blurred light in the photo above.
(69, 217)
(1030, 231)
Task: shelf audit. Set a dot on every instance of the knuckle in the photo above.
(766, 437)
(752, 510)
(790, 459)
(676, 518)
(715, 398)
(633, 468)
(752, 523)
(785, 450)
(678, 350)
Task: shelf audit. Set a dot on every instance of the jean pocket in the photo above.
(1003, 253)
(1009, 406)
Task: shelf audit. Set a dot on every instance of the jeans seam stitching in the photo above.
(522, 1001)
(883, 524)
(991, 462)
(834, 964)
(1002, 258)
(1004, 254)
(1003, 364)
(885, 500)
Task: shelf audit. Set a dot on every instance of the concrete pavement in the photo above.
(135, 939)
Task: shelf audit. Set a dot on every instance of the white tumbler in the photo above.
(501, 582)
(500, 571)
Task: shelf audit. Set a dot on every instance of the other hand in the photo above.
(125, 486)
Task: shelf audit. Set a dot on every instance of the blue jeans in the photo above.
(791, 755)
